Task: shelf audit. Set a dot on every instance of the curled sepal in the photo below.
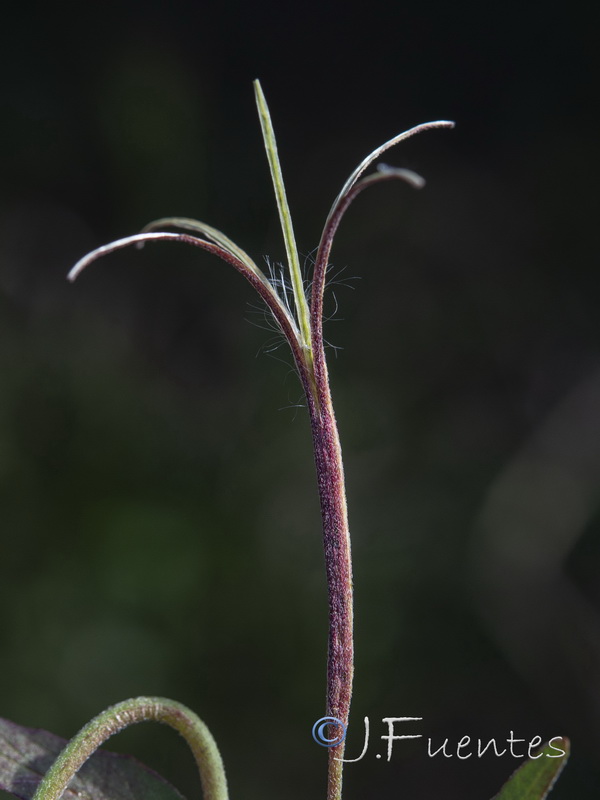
(226, 250)
(129, 712)
(535, 778)
(210, 233)
(384, 173)
(350, 190)
(373, 156)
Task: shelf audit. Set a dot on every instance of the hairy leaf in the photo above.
(27, 753)
(536, 777)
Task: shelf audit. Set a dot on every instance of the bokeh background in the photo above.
(159, 527)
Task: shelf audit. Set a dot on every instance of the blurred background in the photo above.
(159, 529)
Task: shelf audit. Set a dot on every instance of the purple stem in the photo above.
(336, 539)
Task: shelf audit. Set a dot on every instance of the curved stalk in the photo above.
(130, 712)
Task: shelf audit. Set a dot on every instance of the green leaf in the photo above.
(285, 217)
(536, 777)
(26, 754)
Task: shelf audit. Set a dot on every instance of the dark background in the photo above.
(159, 526)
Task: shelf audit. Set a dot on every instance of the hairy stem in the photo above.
(129, 712)
(338, 563)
